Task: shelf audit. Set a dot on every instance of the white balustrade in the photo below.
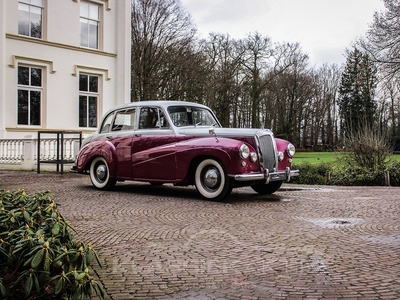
(24, 151)
(11, 151)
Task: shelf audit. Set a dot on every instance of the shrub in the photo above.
(346, 176)
(352, 176)
(38, 256)
(367, 149)
(311, 173)
(394, 171)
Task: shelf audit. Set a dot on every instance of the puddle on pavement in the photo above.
(296, 188)
(366, 198)
(305, 189)
(393, 240)
(333, 222)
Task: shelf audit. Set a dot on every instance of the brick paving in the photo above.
(166, 242)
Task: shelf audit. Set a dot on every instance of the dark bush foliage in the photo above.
(394, 171)
(38, 257)
(357, 176)
(346, 175)
(311, 174)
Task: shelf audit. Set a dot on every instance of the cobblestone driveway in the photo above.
(167, 243)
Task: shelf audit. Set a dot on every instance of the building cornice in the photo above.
(58, 45)
(36, 129)
(39, 60)
(106, 1)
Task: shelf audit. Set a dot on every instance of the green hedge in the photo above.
(346, 176)
(39, 259)
(311, 173)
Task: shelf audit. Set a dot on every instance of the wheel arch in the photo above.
(196, 161)
(108, 153)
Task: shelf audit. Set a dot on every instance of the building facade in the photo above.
(64, 63)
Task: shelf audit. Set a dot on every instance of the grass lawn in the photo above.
(319, 157)
(314, 157)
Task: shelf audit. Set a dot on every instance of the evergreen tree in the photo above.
(356, 93)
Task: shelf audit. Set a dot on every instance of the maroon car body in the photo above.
(183, 143)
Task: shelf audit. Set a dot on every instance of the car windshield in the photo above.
(191, 116)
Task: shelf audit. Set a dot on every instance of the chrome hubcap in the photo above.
(101, 172)
(211, 178)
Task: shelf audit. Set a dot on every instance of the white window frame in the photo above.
(32, 5)
(90, 19)
(31, 88)
(88, 94)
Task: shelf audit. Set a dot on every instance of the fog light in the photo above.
(253, 157)
(281, 156)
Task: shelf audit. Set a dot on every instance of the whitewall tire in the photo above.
(211, 180)
(100, 174)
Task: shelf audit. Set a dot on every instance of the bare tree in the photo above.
(382, 41)
(257, 51)
(326, 112)
(162, 36)
(389, 110)
(289, 89)
(224, 65)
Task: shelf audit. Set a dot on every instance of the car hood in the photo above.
(225, 132)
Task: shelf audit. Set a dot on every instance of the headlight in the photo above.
(244, 151)
(290, 150)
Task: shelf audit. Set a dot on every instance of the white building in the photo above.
(64, 63)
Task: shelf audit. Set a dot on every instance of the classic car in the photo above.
(183, 143)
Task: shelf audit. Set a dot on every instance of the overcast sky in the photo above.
(324, 28)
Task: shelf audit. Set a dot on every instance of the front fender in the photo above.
(98, 148)
(281, 146)
(223, 149)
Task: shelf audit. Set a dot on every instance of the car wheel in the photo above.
(266, 189)
(211, 180)
(100, 175)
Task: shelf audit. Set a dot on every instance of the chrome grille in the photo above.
(267, 149)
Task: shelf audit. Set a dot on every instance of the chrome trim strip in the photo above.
(274, 176)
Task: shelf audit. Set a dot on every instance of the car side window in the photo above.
(124, 120)
(107, 123)
(179, 115)
(152, 118)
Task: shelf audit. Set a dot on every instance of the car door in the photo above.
(153, 150)
(121, 134)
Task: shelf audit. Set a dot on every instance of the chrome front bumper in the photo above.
(267, 176)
